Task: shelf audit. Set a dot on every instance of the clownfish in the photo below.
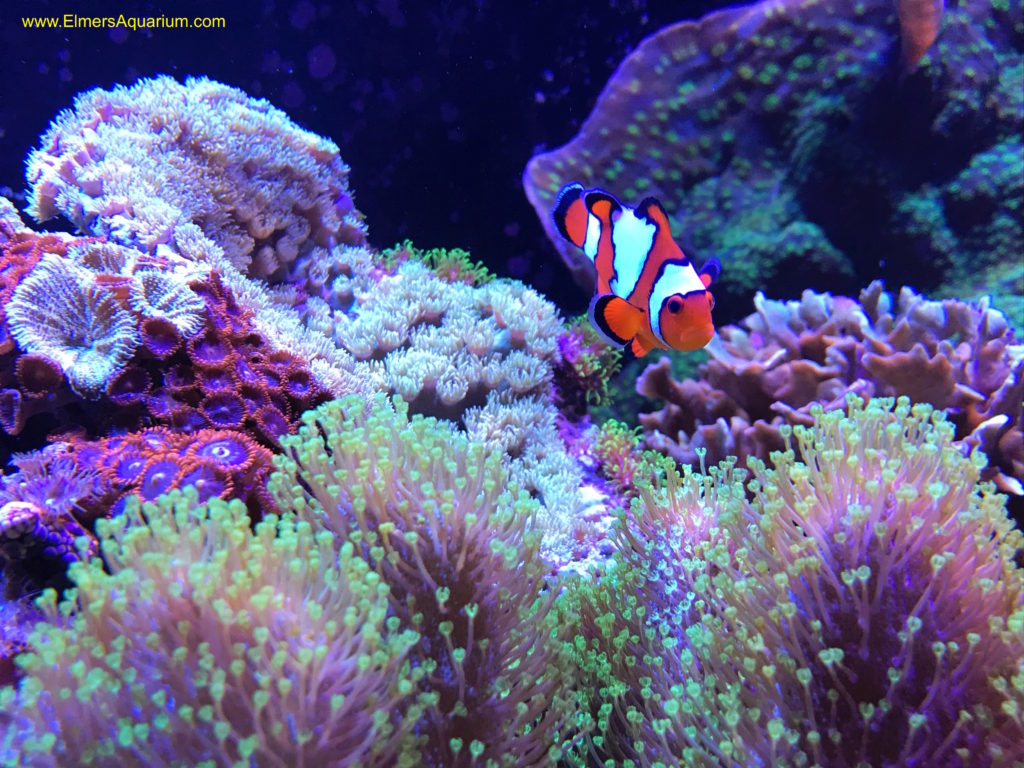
(648, 292)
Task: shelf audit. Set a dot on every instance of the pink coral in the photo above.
(229, 172)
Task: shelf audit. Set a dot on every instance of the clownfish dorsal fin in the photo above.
(615, 319)
(710, 271)
(652, 209)
(594, 197)
(571, 214)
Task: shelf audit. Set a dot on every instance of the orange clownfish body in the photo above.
(648, 292)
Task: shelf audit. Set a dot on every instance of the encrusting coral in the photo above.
(789, 356)
(784, 137)
(864, 608)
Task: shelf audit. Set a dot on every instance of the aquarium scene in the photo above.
(512, 384)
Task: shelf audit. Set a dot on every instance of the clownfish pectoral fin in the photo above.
(710, 271)
(571, 214)
(615, 319)
(638, 349)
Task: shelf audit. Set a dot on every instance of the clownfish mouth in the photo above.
(694, 339)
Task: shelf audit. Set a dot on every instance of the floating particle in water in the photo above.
(321, 61)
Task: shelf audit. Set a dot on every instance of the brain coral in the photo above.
(781, 136)
(198, 166)
(864, 608)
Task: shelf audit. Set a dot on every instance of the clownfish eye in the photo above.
(711, 299)
(674, 305)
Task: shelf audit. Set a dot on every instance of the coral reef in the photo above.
(864, 608)
(165, 163)
(208, 341)
(110, 341)
(295, 501)
(783, 138)
(789, 356)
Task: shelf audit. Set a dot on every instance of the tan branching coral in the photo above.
(788, 356)
(139, 164)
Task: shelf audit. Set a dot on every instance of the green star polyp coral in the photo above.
(863, 609)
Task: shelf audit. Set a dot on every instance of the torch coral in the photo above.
(431, 512)
(204, 642)
(864, 609)
(255, 184)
